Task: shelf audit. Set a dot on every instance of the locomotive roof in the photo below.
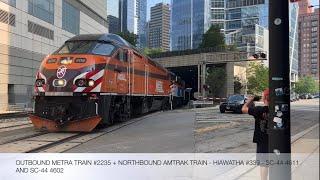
(102, 37)
(108, 37)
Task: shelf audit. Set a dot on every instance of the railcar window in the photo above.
(122, 55)
(86, 47)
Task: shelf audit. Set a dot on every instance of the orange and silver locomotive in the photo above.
(97, 79)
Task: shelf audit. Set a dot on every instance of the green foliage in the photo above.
(306, 85)
(212, 38)
(231, 47)
(258, 78)
(152, 51)
(237, 85)
(216, 78)
(130, 37)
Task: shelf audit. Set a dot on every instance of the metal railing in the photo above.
(192, 51)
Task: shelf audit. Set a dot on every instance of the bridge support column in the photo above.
(202, 74)
(230, 79)
(199, 79)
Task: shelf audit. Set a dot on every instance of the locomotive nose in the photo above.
(71, 73)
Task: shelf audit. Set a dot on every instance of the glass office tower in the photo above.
(190, 20)
(133, 18)
(241, 19)
(294, 41)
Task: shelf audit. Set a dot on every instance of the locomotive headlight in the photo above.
(91, 83)
(39, 82)
(80, 82)
(59, 82)
(84, 82)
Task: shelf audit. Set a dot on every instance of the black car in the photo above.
(234, 103)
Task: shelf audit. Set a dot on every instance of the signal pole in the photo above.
(279, 83)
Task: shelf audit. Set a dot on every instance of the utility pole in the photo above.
(279, 83)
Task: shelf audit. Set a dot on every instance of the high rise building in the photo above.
(159, 27)
(240, 20)
(246, 23)
(190, 20)
(217, 12)
(304, 7)
(133, 18)
(31, 29)
(308, 41)
(113, 16)
(293, 42)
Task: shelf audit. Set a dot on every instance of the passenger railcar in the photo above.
(97, 79)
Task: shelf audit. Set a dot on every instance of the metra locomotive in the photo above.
(99, 78)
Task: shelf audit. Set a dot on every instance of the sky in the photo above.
(315, 2)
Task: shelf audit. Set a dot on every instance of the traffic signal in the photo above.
(259, 55)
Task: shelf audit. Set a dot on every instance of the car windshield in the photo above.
(236, 98)
(86, 47)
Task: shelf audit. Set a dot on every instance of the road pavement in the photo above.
(194, 130)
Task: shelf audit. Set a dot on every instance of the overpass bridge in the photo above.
(197, 63)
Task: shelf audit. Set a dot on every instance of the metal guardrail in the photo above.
(191, 51)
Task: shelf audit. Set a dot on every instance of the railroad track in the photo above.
(60, 142)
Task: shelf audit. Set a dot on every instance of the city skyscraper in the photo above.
(190, 20)
(159, 27)
(113, 16)
(240, 20)
(304, 7)
(308, 40)
(133, 18)
(293, 42)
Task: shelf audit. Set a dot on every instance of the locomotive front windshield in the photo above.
(86, 47)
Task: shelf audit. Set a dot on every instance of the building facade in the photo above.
(113, 16)
(190, 19)
(293, 42)
(309, 41)
(133, 18)
(241, 18)
(159, 27)
(31, 29)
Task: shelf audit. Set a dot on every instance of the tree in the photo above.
(213, 38)
(152, 51)
(258, 78)
(306, 85)
(215, 79)
(237, 85)
(130, 37)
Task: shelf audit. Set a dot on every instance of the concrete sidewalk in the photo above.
(306, 151)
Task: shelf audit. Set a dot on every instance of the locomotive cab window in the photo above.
(87, 47)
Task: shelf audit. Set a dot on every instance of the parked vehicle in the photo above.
(233, 103)
(303, 96)
(310, 96)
